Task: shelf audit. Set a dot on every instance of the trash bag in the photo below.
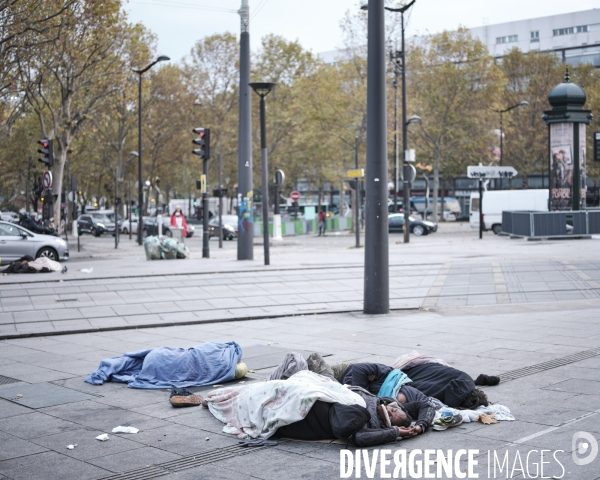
(152, 248)
(182, 250)
(168, 248)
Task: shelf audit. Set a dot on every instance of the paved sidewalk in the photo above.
(488, 340)
(527, 310)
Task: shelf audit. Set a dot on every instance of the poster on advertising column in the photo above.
(561, 166)
(582, 164)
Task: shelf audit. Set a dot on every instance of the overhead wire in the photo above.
(258, 8)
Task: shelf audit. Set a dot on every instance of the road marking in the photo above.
(551, 429)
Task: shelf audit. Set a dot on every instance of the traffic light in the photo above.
(47, 151)
(203, 141)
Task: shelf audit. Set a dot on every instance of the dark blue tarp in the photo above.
(166, 367)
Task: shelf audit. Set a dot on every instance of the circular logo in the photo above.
(585, 448)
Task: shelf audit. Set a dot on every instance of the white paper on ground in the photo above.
(103, 437)
(71, 447)
(125, 430)
(87, 270)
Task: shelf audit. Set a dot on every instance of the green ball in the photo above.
(241, 369)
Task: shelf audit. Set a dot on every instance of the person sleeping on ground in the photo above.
(427, 376)
(308, 406)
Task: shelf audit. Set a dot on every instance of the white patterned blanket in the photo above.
(258, 410)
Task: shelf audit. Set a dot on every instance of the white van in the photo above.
(497, 201)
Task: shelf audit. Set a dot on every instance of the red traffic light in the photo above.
(44, 143)
(203, 141)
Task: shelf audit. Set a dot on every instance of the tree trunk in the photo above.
(57, 182)
(436, 183)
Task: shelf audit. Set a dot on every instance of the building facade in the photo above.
(574, 37)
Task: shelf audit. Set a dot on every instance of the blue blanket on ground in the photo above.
(167, 367)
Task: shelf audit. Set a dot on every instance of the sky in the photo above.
(315, 23)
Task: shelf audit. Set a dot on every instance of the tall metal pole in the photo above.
(245, 203)
(129, 207)
(356, 197)
(480, 208)
(220, 199)
(116, 208)
(396, 159)
(501, 139)
(264, 177)
(405, 166)
(205, 232)
(376, 291)
(140, 186)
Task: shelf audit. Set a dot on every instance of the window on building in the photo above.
(508, 39)
(535, 36)
(569, 31)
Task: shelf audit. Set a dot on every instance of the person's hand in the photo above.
(417, 429)
(406, 432)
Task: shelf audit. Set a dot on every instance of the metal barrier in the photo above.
(564, 224)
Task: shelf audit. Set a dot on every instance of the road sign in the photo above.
(295, 196)
(358, 173)
(597, 147)
(279, 177)
(490, 172)
(413, 173)
(203, 183)
(47, 180)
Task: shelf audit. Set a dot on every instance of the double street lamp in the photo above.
(162, 58)
(262, 89)
(523, 103)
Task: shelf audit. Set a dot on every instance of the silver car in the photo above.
(16, 242)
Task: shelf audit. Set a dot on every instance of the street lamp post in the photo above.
(523, 103)
(162, 58)
(262, 89)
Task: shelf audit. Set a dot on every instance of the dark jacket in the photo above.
(420, 408)
(447, 384)
(352, 423)
(358, 375)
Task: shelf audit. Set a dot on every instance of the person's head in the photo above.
(177, 210)
(398, 417)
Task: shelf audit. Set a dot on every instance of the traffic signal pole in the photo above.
(356, 196)
(205, 237)
(204, 152)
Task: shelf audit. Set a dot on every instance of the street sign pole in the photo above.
(480, 209)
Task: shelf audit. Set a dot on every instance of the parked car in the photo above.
(110, 214)
(94, 223)
(125, 226)
(413, 208)
(448, 215)
(230, 223)
(16, 242)
(151, 226)
(11, 217)
(417, 227)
